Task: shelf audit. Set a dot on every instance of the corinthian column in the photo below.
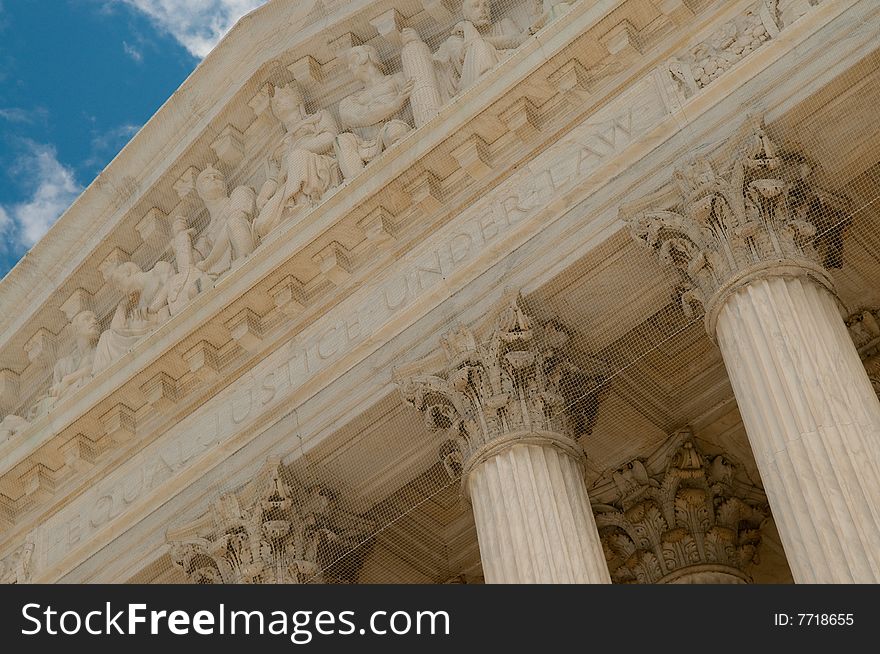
(500, 394)
(754, 242)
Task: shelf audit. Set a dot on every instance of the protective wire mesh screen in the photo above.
(371, 492)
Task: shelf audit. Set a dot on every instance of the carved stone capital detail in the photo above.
(680, 516)
(749, 212)
(272, 531)
(504, 381)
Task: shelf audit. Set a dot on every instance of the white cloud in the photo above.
(132, 52)
(197, 24)
(20, 115)
(53, 186)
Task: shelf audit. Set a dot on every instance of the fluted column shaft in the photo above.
(533, 516)
(813, 421)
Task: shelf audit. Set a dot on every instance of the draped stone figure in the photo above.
(143, 308)
(229, 236)
(476, 45)
(189, 281)
(300, 169)
(428, 94)
(73, 370)
(375, 115)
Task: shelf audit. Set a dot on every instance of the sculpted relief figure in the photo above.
(374, 115)
(229, 236)
(189, 281)
(73, 370)
(477, 44)
(143, 308)
(300, 170)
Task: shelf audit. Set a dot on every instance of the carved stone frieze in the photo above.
(749, 211)
(273, 531)
(510, 375)
(733, 41)
(300, 170)
(680, 516)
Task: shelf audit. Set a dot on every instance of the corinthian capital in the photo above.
(508, 376)
(679, 516)
(747, 211)
(269, 532)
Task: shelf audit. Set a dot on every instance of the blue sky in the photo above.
(77, 79)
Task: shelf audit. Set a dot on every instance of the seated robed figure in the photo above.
(301, 169)
(144, 306)
(376, 117)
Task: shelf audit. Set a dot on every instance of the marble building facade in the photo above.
(459, 291)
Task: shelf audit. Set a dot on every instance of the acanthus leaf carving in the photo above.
(689, 520)
(753, 209)
(518, 377)
(272, 531)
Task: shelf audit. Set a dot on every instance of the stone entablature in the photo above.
(209, 359)
(281, 293)
(292, 371)
(340, 74)
(287, 194)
